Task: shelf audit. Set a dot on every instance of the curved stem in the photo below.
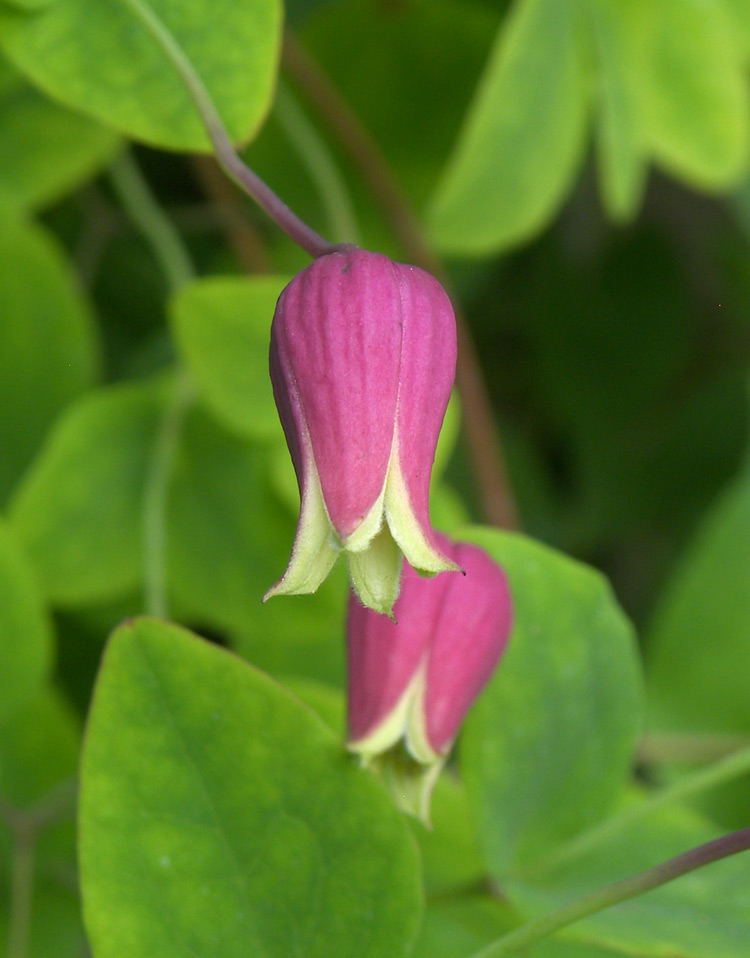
(170, 251)
(25, 825)
(725, 770)
(292, 225)
(498, 502)
(526, 935)
(147, 215)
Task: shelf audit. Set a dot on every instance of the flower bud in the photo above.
(362, 360)
(412, 680)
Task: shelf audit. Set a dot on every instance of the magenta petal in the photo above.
(384, 655)
(469, 637)
(428, 365)
(336, 337)
(416, 677)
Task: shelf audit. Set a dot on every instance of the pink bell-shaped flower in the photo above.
(362, 361)
(411, 680)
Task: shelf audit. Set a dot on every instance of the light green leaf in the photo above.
(699, 108)
(701, 915)
(48, 348)
(96, 56)
(618, 44)
(222, 328)
(25, 631)
(524, 136)
(220, 817)
(698, 649)
(549, 743)
(45, 149)
(78, 511)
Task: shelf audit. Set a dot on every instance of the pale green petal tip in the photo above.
(315, 547)
(410, 782)
(375, 573)
(406, 530)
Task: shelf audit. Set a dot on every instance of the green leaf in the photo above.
(222, 326)
(700, 915)
(39, 744)
(48, 348)
(699, 641)
(220, 817)
(97, 56)
(699, 108)
(45, 149)
(78, 511)
(25, 631)
(524, 135)
(549, 743)
(618, 36)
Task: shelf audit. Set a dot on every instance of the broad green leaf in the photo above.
(325, 700)
(523, 138)
(78, 511)
(25, 631)
(618, 43)
(39, 744)
(98, 56)
(222, 327)
(698, 648)
(739, 12)
(45, 149)
(48, 347)
(549, 743)
(701, 915)
(218, 816)
(699, 108)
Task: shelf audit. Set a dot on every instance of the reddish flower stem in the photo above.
(498, 502)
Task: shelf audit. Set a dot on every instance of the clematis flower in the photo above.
(362, 360)
(412, 680)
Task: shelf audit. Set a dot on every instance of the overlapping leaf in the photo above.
(219, 816)
(100, 57)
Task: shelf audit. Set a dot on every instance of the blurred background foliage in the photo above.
(583, 166)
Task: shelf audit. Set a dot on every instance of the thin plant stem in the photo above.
(521, 938)
(725, 770)
(25, 825)
(21, 895)
(138, 201)
(313, 152)
(246, 179)
(498, 502)
(691, 748)
(170, 252)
